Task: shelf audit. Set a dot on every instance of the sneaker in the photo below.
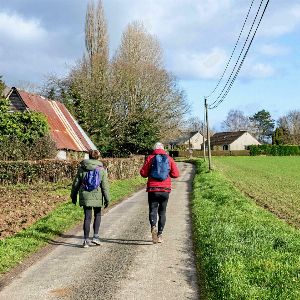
(86, 244)
(154, 234)
(96, 241)
(159, 238)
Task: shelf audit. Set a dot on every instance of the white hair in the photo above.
(158, 145)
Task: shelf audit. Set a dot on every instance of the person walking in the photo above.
(159, 167)
(91, 184)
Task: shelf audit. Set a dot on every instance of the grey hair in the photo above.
(158, 145)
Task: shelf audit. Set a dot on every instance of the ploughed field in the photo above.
(273, 182)
(22, 205)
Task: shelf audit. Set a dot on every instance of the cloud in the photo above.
(199, 65)
(274, 50)
(14, 26)
(282, 19)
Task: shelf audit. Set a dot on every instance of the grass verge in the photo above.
(15, 249)
(242, 251)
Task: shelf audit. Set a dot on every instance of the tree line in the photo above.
(284, 131)
(127, 101)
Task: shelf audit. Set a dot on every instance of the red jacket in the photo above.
(154, 185)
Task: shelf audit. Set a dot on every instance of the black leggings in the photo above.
(158, 202)
(88, 219)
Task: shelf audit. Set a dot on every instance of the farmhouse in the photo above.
(70, 139)
(188, 140)
(238, 140)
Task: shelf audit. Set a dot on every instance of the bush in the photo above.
(13, 149)
(274, 150)
(58, 170)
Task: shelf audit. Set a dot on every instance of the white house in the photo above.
(237, 140)
(188, 140)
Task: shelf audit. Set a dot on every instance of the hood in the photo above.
(159, 151)
(90, 164)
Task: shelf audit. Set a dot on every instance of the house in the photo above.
(70, 139)
(237, 140)
(188, 140)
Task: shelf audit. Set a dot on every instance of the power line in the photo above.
(237, 61)
(227, 65)
(217, 103)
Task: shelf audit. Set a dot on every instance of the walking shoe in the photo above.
(86, 244)
(96, 241)
(154, 234)
(159, 238)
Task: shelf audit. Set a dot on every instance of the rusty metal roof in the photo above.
(65, 131)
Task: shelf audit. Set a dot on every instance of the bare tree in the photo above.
(144, 89)
(194, 124)
(291, 125)
(235, 121)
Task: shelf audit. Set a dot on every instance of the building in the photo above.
(188, 140)
(237, 140)
(69, 137)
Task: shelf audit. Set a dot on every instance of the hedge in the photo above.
(274, 150)
(199, 153)
(57, 170)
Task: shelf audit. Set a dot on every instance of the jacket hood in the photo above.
(158, 151)
(91, 164)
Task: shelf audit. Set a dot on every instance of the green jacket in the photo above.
(97, 197)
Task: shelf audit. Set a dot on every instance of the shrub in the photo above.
(274, 150)
(13, 149)
(58, 170)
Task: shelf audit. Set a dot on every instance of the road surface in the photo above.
(127, 265)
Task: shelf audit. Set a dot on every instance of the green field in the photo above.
(243, 251)
(272, 181)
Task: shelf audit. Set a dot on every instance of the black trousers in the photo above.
(88, 212)
(158, 202)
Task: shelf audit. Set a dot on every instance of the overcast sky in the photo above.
(40, 37)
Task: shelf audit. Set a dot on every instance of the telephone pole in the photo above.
(203, 133)
(208, 135)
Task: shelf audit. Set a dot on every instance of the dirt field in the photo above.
(21, 206)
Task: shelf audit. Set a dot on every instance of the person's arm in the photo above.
(105, 188)
(174, 172)
(144, 171)
(76, 186)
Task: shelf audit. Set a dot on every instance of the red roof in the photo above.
(65, 131)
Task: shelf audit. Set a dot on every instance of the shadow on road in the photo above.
(127, 242)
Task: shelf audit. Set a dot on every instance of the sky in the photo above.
(43, 37)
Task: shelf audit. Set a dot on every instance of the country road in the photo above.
(126, 265)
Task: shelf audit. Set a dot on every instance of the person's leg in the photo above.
(162, 208)
(87, 223)
(97, 220)
(153, 206)
(96, 225)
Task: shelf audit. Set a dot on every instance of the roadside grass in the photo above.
(274, 182)
(14, 249)
(242, 251)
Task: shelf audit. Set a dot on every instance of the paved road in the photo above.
(127, 265)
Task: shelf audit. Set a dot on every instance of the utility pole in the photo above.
(208, 136)
(203, 133)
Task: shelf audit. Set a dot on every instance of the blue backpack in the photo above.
(91, 180)
(160, 168)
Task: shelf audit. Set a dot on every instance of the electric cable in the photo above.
(217, 103)
(241, 52)
(233, 51)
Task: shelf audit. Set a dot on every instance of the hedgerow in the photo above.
(57, 170)
(274, 150)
